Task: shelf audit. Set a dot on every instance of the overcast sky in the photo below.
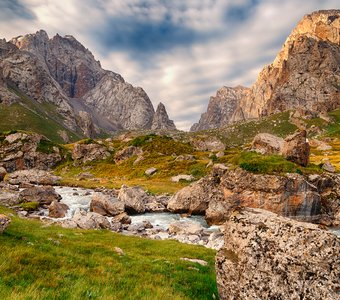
(179, 51)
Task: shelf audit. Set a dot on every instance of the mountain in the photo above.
(304, 76)
(59, 79)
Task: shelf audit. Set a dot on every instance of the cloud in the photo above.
(180, 52)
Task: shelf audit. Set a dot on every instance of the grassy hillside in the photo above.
(48, 262)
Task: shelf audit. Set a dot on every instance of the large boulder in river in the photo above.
(4, 222)
(44, 195)
(270, 257)
(185, 228)
(57, 209)
(87, 220)
(266, 143)
(34, 176)
(134, 199)
(106, 205)
(296, 148)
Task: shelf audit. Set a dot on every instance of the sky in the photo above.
(180, 52)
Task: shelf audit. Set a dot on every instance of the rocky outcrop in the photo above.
(302, 77)
(127, 153)
(33, 176)
(292, 195)
(21, 151)
(4, 222)
(207, 143)
(105, 205)
(89, 152)
(44, 195)
(296, 148)
(270, 257)
(161, 119)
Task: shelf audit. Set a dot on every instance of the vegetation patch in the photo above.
(30, 206)
(49, 262)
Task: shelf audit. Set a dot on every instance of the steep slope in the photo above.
(304, 75)
(60, 71)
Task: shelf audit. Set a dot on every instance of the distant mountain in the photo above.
(304, 76)
(59, 79)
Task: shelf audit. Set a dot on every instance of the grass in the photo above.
(49, 262)
(333, 155)
(272, 164)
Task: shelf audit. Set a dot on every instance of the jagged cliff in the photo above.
(304, 76)
(81, 95)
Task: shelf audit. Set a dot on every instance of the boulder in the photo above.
(134, 199)
(185, 228)
(208, 143)
(44, 195)
(184, 177)
(270, 257)
(127, 153)
(328, 167)
(57, 209)
(150, 171)
(296, 148)
(106, 205)
(122, 218)
(33, 176)
(4, 222)
(87, 220)
(8, 197)
(89, 152)
(266, 143)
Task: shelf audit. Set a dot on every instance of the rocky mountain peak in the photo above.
(161, 119)
(304, 76)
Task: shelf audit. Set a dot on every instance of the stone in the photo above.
(33, 176)
(134, 199)
(106, 205)
(119, 251)
(271, 257)
(4, 222)
(185, 157)
(186, 228)
(150, 171)
(184, 177)
(127, 153)
(266, 143)
(88, 220)
(195, 260)
(44, 195)
(57, 209)
(122, 218)
(89, 152)
(8, 197)
(328, 167)
(296, 148)
(208, 143)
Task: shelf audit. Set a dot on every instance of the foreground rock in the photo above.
(44, 195)
(296, 148)
(266, 143)
(271, 257)
(57, 209)
(34, 176)
(106, 205)
(4, 222)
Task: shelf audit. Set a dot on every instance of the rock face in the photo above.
(21, 151)
(161, 119)
(296, 148)
(271, 257)
(291, 195)
(4, 222)
(64, 76)
(303, 76)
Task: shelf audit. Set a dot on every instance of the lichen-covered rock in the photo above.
(270, 257)
(106, 205)
(33, 176)
(4, 222)
(134, 199)
(296, 148)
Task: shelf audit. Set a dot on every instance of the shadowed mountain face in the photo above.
(70, 86)
(304, 76)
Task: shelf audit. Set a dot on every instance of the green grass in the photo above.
(271, 164)
(39, 262)
(333, 129)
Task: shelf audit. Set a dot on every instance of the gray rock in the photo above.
(134, 199)
(44, 195)
(296, 148)
(161, 119)
(127, 153)
(266, 143)
(270, 257)
(89, 152)
(106, 205)
(328, 167)
(57, 209)
(185, 228)
(182, 177)
(87, 220)
(150, 171)
(33, 176)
